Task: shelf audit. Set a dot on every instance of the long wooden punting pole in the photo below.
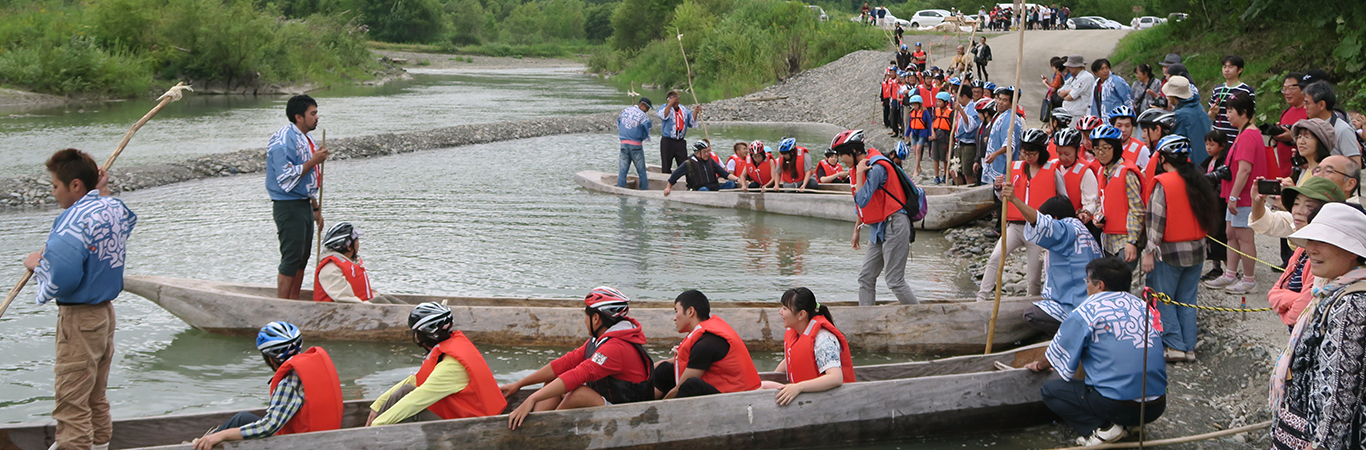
(690, 89)
(166, 99)
(318, 256)
(1015, 100)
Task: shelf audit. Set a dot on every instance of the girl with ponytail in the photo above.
(816, 355)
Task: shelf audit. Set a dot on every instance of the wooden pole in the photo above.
(1015, 100)
(690, 89)
(318, 255)
(170, 96)
(1180, 440)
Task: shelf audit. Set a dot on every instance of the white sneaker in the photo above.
(1225, 280)
(1102, 436)
(1241, 287)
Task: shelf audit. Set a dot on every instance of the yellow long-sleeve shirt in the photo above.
(449, 377)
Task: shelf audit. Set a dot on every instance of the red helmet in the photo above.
(846, 137)
(1088, 123)
(608, 301)
(756, 147)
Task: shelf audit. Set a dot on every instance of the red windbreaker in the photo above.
(615, 358)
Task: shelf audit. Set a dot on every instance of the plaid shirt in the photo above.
(1181, 254)
(1133, 223)
(285, 402)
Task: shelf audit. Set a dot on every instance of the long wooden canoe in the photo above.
(932, 327)
(949, 206)
(890, 401)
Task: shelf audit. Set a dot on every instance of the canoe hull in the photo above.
(240, 310)
(948, 206)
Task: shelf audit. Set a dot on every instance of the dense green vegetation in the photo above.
(121, 47)
(1274, 37)
(733, 46)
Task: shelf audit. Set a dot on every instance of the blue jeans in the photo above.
(1181, 284)
(632, 154)
(726, 185)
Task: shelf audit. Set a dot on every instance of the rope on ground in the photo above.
(1180, 440)
(1151, 294)
(1245, 255)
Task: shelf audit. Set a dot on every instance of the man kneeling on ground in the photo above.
(703, 172)
(454, 381)
(711, 359)
(1107, 335)
(341, 276)
(305, 394)
(612, 368)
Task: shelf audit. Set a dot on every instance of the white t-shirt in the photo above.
(1080, 87)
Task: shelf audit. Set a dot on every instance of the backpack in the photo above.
(915, 205)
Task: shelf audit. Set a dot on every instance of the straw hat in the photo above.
(1177, 86)
(1340, 225)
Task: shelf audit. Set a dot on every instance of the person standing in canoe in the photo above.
(711, 359)
(673, 131)
(81, 267)
(340, 276)
(454, 381)
(880, 202)
(611, 368)
(305, 393)
(703, 171)
(293, 182)
(633, 129)
(816, 355)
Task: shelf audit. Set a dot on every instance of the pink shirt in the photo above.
(1248, 146)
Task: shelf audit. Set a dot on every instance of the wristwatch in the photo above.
(1232, 198)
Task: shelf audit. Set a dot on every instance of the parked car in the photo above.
(820, 12)
(1145, 22)
(889, 22)
(1085, 23)
(929, 18)
(1107, 24)
(1177, 17)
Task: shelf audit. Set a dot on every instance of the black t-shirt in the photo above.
(708, 349)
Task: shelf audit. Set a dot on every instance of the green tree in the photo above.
(562, 19)
(524, 25)
(405, 20)
(597, 22)
(131, 23)
(637, 22)
(467, 19)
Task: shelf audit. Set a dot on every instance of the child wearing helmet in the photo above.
(340, 276)
(1121, 187)
(305, 393)
(611, 368)
(454, 381)
(703, 170)
(1135, 151)
(918, 131)
(939, 146)
(761, 167)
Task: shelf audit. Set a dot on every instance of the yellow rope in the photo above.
(1168, 300)
(1245, 255)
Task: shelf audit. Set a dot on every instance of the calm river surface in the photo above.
(499, 219)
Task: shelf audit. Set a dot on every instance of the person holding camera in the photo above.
(1246, 161)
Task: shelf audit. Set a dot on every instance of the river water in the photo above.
(498, 219)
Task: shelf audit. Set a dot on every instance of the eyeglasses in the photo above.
(1285, 89)
(1321, 170)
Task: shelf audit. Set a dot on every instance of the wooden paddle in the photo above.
(170, 96)
(688, 66)
(1015, 100)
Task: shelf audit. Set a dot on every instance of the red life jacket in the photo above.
(943, 118)
(1114, 198)
(881, 206)
(322, 408)
(800, 169)
(354, 273)
(1132, 149)
(831, 169)
(917, 119)
(1037, 189)
(1181, 223)
(800, 351)
(481, 397)
(1148, 174)
(742, 166)
(761, 171)
(889, 88)
(733, 373)
(1071, 179)
(919, 55)
(717, 158)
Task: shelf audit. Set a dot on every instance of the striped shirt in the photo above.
(1133, 224)
(285, 402)
(1222, 93)
(1180, 254)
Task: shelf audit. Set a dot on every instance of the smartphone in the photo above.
(1269, 187)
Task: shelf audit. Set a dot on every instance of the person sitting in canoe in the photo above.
(454, 381)
(703, 172)
(830, 171)
(1122, 354)
(712, 359)
(761, 167)
(305, 394)
(816, 356)
(611, 368)
(340, 276)
(1055, 227)
(791, 169)
(738, 164)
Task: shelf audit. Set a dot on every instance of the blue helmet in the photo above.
(903, 47)
(915, 99)
(1122, 111)
(1175, 144)
(944, 96)
(990, 87)
(955, 81)
(1106, 132)
(786, 145)
(902, 150)
(279, 340)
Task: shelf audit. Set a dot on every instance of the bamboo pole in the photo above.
(690, 89)
(170, 96)
(1015, 100)
(1179, 440)
(318, 255)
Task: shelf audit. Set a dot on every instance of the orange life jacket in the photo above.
(916, 118)
(761, 171)
(800, 351)
(354, 273)
(733, 373)
(1071, 179)
(918, 55)
(1114, 198)
(1149, 173)
(1037, 189)
(322, 408)
(1132, 149)
(741, 166)
(831, 169)
(800, 169)
(888, 88)
(881, 206)
(943, 118)
(1181, 223)
(481, 397)
(717, 158)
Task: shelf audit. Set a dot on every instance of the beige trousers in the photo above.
(85, 349)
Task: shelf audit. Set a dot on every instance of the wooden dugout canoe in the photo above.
(890, 401)
(944, 327)
(949, 206)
